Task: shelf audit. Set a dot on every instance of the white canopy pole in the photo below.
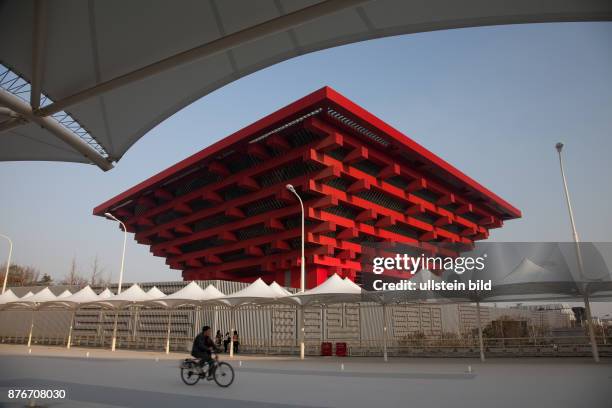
(135, 329)
(31, 329)
(385, 355)
(480, 341)
(233, 322)
(168, 333)
(70, 329)
(302, 332)
(114, 340)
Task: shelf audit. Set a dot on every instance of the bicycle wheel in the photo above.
(224, 375)
(190, 375)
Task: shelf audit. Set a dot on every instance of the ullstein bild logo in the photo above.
(413, 264)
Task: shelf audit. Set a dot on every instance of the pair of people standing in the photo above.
(227, 340)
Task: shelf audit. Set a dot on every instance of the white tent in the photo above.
(279, 289)
(85, 295)
(74, 301)
(155, 293)
(191, 294)
(32, 301)
(105, 294)
(256, 293)
(64, 294)
(129, 296)
(7, 297)
(333, 290)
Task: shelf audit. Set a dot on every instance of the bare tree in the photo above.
(96, 272)
(73, 277)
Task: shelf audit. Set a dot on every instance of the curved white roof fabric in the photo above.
(256, 293)
(120, 68)
(7, 297)
(333, 290)
(32, 301)
(132, 295)
(84, 295)
(192, 294)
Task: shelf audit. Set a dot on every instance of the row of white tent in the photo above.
(334, 290)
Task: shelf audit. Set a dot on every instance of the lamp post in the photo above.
(8, 261)
(112, 217)
(302, 273)
(303, 261)
(587, 305)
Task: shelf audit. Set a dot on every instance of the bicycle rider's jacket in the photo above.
(202, 346)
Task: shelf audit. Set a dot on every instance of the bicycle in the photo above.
(221, 372)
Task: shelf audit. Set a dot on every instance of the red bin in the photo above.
(341, 350)
(326, 349)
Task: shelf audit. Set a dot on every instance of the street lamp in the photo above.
(112, 217)
(303, 262)
(8, 261)
(587, 305)
(302, 273)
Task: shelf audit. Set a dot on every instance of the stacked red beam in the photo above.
(225, 212)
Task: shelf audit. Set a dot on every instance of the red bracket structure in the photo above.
(225, 213)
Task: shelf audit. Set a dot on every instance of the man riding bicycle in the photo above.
(203, 347)
(192, 370)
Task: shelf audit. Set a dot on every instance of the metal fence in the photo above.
(414, 330)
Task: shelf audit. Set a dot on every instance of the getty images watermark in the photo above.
(404, 263)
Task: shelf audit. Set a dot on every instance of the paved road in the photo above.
(132, 379)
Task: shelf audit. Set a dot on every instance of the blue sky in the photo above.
(492, 101)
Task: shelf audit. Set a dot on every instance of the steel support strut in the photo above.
(22, 108)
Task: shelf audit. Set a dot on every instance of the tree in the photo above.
(46, 280)
(96, 272)
(73, 277)
(20, 275)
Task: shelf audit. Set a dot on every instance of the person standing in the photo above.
(218, 339)
(236, 340)
(226, 342)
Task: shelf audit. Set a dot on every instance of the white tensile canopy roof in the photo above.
(528, 271)
(155, 293)
(256, 293)
(105, 294)
(64, 294)
(280, 291)
(333, 290)
(85, 295)
(173, 53)
(7, 297)
(191, 294)
(133, 295)
(32, 301)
